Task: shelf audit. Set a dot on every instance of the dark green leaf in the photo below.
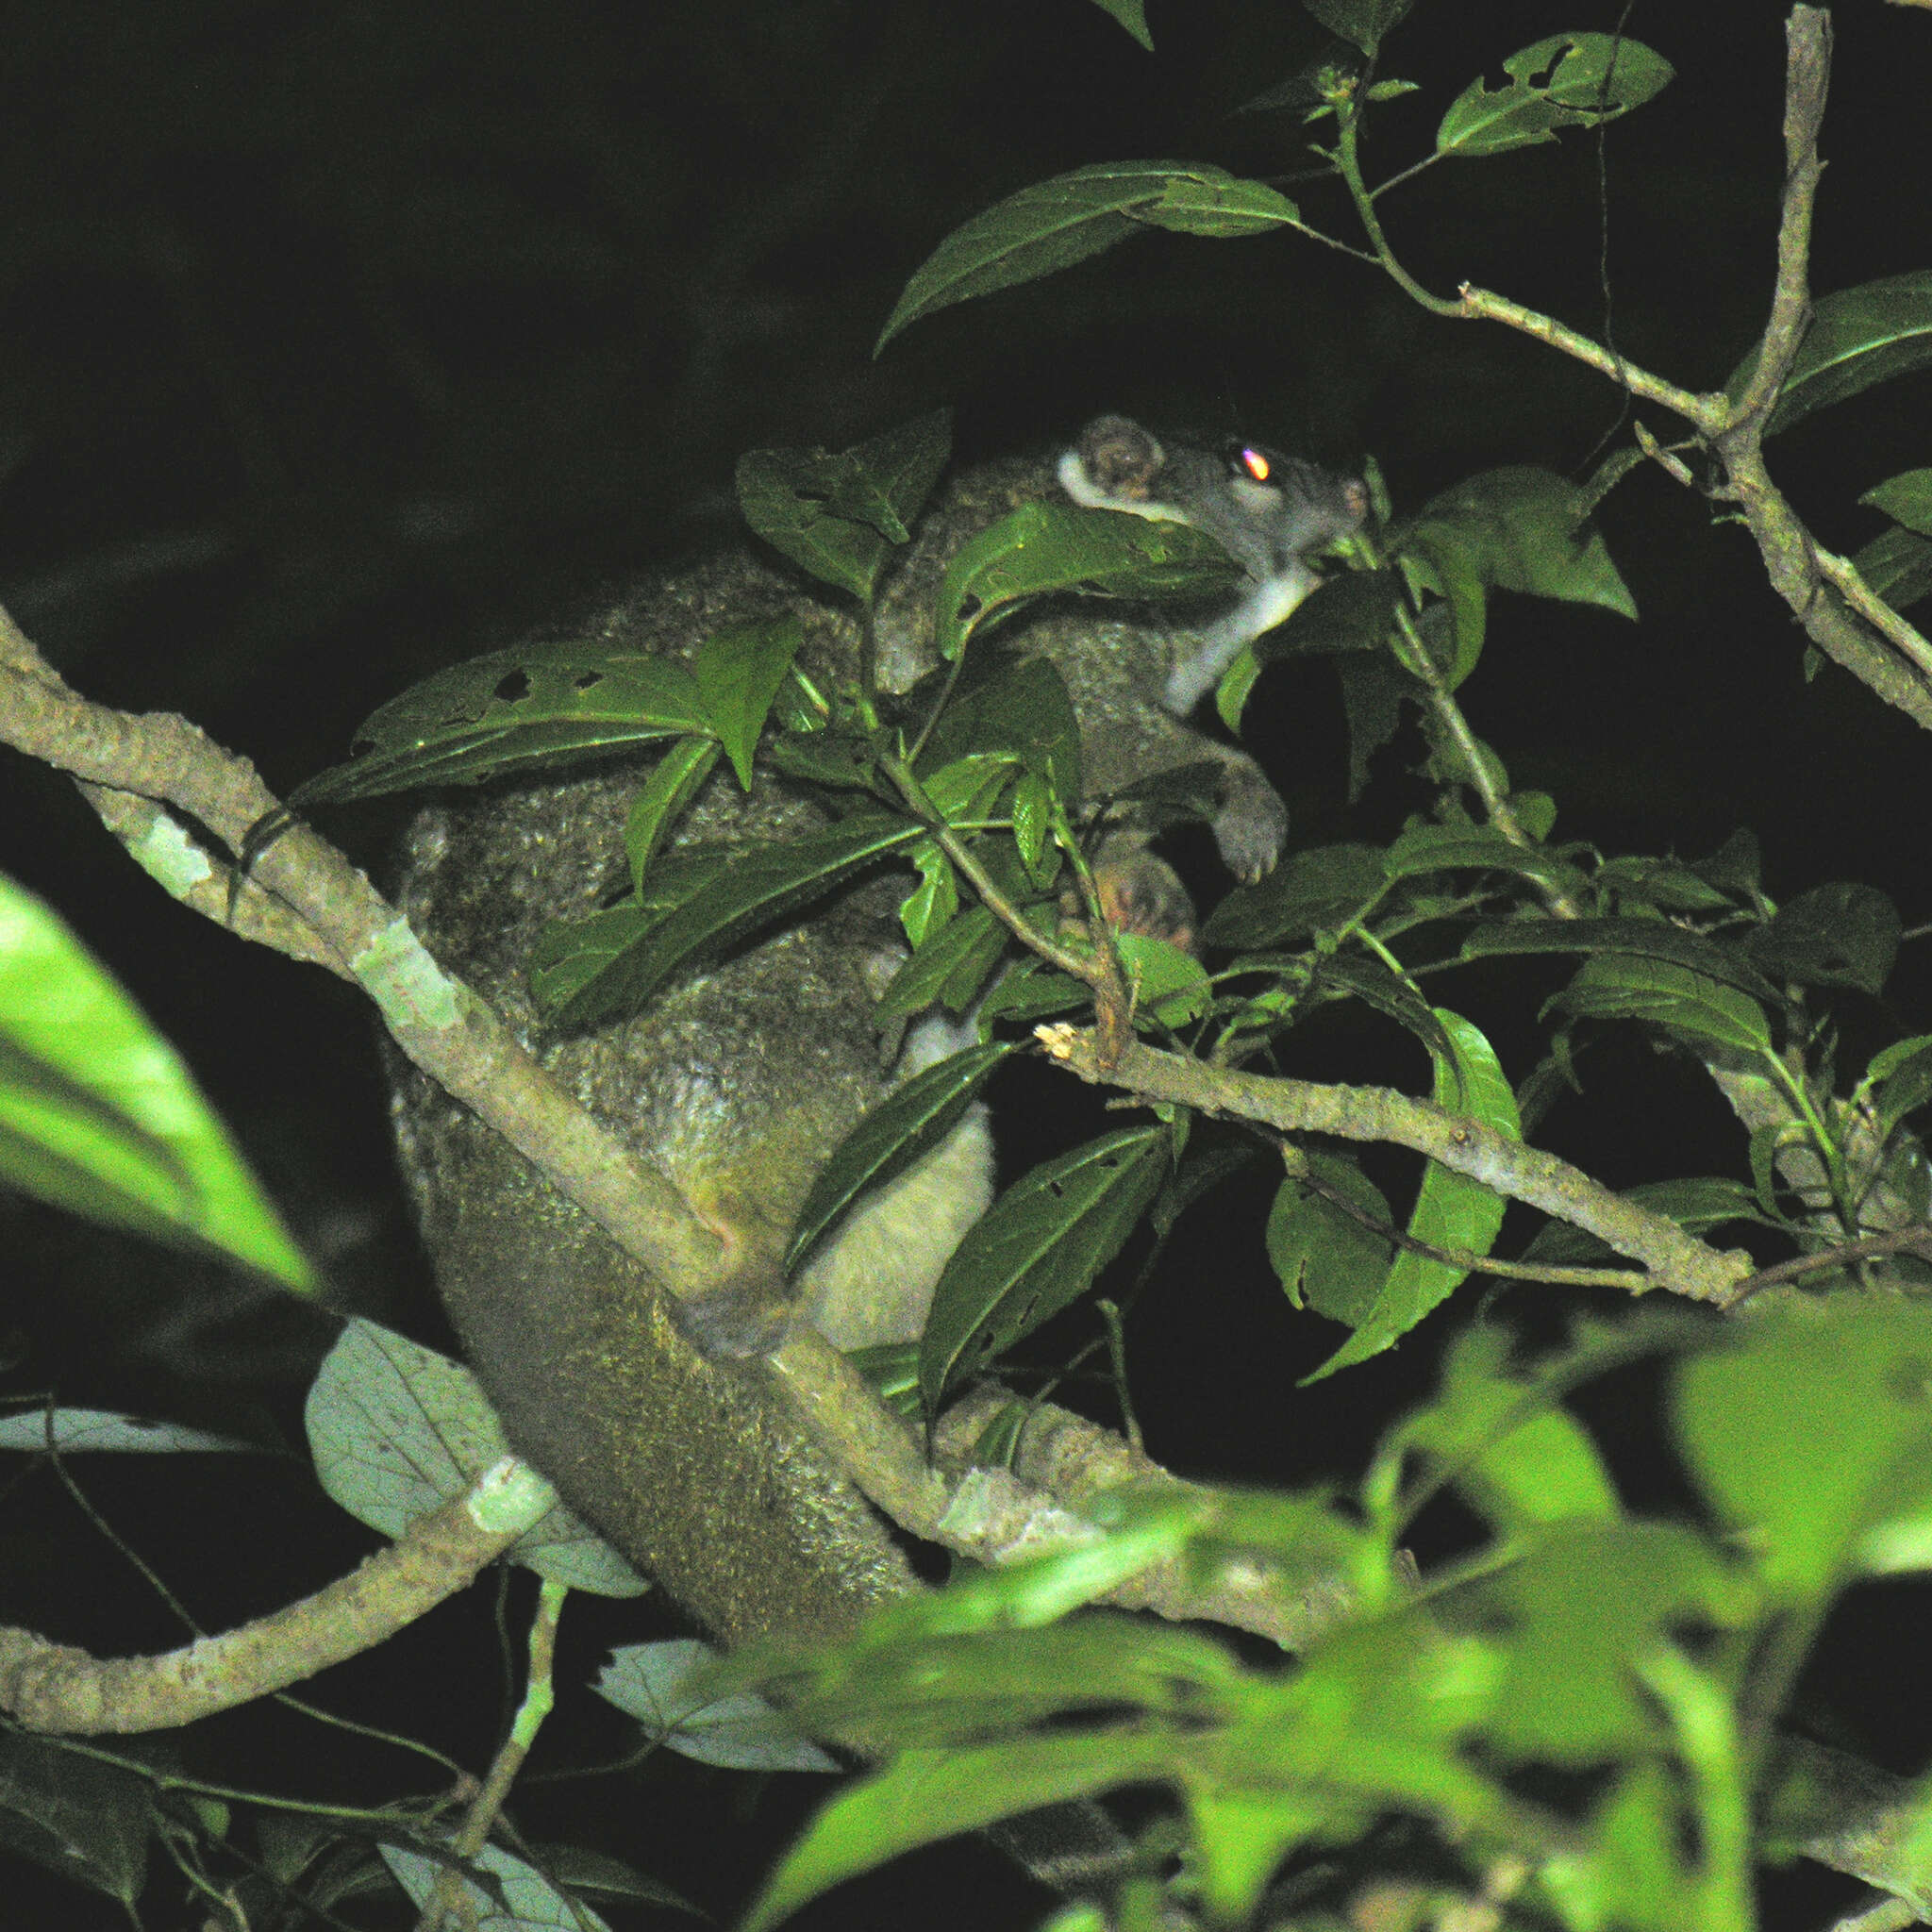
(931, 903)
(894, 1134)
(1426, 849)
(1897, 567)
(844, 760)
(1021, 707)
(1198, 1174)
(1035, 1250)
(1132, 14)
(570, 954)
(1902, 1077)
(1448, 560)
(1033, 989)
(1313, 890)
(755, 889)
(1836, 935)
(1521, 529)
(1906, 498)
(1352, 611)
(672, 786)
(1366, 977)
(1569, 80)
(1362, 23)
(926, 1795)
(739, 673)
(1660, 884)
(839, 515)
(1326, 1259)
(1699, 1206)
(948, 967)
(1857, 337)
(1649, 939)
(1046, 546)
(1372, 688)
(1058, 223)
(99, 1115)
(513, 712)
(1736, 866)
(1616, 986)
(1451, 1211)
(88, 1820)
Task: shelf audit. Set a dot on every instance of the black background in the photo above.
(341, 340)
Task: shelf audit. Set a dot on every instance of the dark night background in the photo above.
(341, 340)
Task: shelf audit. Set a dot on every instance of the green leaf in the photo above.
(1362, 23)
(1352, 611)
(1426, 849)
(1035, 1250)
(1166, 980)
(931, 903)
(1618, 987)
(1857, 337)
(840, 515)
(71, 1814)
(922, 1796)
(74, 1431)
(513, 712)
(1836, 935)
(908, 1124)
(1449, 561)
(1574, 1616)
(1372, 688)
(1507, 1444)
(752, 890)
(571, 954)
(1906, 498)
(1901, 1078)
(675, 781)
(1451, 1210)
(1813, 1436)
(1521, 529)
(1326, 1259)
(1132, 14)
(1363, 976)
(1647, 939)
(1313, 890)
(948, 969)
(1044, 547)
(1058, 223)
(1897, 567)
(663, 1686)
(1569, 80)
(1021, 707)
(99, 1115)
(397, 1430)
(529, 1902)
(739, 673)
(1699, 1206)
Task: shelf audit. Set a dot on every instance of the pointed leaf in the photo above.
(513, 712)
(1362, 23)
(739, 673)
(1035, 1250)
(1312, 891)
(1058, 223)
(396, 1430)
(839, 515)
(1616, 987)
(1906, 498)
(1451, 1211)
(1857, 337)
(99, 1115)
(1569, 80)
(1326, 1259)
(663, 1685)
(75, 1430)
(948, 969)
(755, 888)
(1836, 935)
(1521, 529)
(907, 1125)
(1647, 939)
(1897, 567)
(672, 786)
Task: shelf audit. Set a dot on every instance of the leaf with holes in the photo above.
(513, 712)
(1035, 1250)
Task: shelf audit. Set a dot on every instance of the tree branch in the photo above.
(52, 1686)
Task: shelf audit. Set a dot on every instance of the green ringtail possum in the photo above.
(738, 1082)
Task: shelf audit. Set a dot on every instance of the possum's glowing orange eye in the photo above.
(1250, 462)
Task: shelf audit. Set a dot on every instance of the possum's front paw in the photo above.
(1251, 827)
